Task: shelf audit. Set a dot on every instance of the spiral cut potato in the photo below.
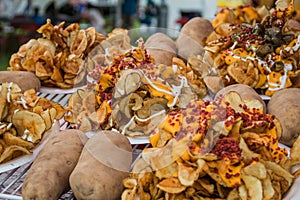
(221, 149)
(24, 118)
(57, 58)
(256, 47)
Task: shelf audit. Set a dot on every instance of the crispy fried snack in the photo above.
(260, 52)
(96, 100)
(132, 94)
(58, 57)
(222, 149)
(25, 118)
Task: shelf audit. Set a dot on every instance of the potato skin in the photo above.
(162, 48)
(192, 37)
(245, 91)
(105, 161)
(285, 106)
(48, 177)
(24, 79)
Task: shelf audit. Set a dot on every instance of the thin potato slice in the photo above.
(10, 140)
(171, 185)
(257, 170)
(268, 189)
(295, 151)
(29, 125)
(13, 151)
(254, 187)
(187, 175)
(280, 171)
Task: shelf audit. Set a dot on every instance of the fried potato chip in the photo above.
(29, 125)
(129, 194)
(167, 171)
(234, 194)
(257, 170)
(254, 187)
(129, 182)
(187, 175)
(12, 151)
(10, 140)
(141, 167)
(171, 185)
(280, 171)
(268, 190)
(295, 151)
(47, 119)
(3, 100)
(78, 43)
(247, 154)
(207, 185)
(56, 75)
(243, 194)
(234, 99)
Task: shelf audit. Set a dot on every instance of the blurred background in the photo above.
(19, 19)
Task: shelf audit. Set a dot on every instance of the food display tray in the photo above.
(11, 181)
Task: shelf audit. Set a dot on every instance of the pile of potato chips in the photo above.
(58, 57)
(91, 108)
(24, 118)
(221, 149)
(132, 94)
(256, 47)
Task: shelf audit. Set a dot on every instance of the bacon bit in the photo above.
(227, 148)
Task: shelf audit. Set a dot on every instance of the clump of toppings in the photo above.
(261, 54)
(228, 133)
(228, 148)
(131, 95)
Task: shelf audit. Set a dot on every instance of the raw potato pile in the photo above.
(58, 57)
(48, 176)
(285, 106)
(133, 93)
(256, 47)
(221, 149)
(103, 164)
(24, 118)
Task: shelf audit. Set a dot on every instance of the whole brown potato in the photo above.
(105, 161)
(48, 177)
(192, 37)
(285, 106)
(24, 79)
(245, 91)
(162, 48)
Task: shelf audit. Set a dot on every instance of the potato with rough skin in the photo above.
(24, 79)
(192, 37)
(285, 105)
(162, 48)
(245, 91)
(105, 161)
(48, 177)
